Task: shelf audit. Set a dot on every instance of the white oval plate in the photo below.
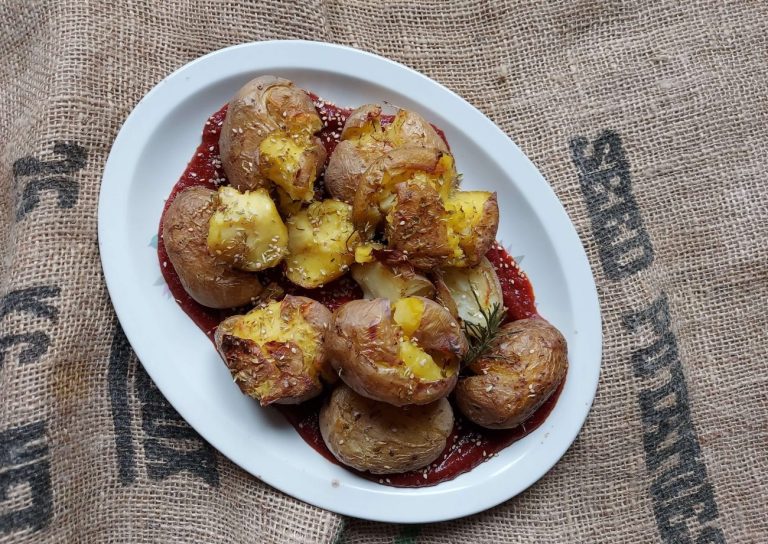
(150, 153)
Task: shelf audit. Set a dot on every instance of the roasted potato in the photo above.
(246, 230)
(473, 219)
(321, 243)
(375, 195)
(436, 232)
(417, 226)
(208, 279)
(402, 353)
(378, 280)
(276, 353)
(268, 137)
(526, 362)
(380, 438)
(467, 292)
(364, 140)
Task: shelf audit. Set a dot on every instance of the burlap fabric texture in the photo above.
(649, 120)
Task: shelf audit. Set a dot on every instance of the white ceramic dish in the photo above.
(151, 151)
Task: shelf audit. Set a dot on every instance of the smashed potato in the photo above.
(209, 280)
(380, 438)
(428, 221)
(434, 231)
(268, 137)
(473, 219)
(246, 230)
(321, 241)
(276, 353)
(461, 289)
(402, 353)
(378, 280)
(525, 363)
(364, 140)
(375, 195)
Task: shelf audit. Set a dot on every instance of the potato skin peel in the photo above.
(380, 438)
(524, 365)
(208, 280)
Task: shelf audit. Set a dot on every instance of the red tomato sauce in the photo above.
(468, 445)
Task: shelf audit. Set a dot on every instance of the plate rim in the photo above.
(592, 321)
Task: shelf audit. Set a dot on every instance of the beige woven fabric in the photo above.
(648, 119)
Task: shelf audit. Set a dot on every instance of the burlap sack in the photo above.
(649, 120)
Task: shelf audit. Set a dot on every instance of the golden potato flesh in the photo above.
(364, 139)
(380, 438)
(292, 162)
(321, 242)
(437, 231)
(268, 137)
(246, 230)
(209, 280)
(468, 292)
(364, 123)
(364, 252)
(524, 365)
(473, 219)
(378, 280)
(276, 353)
(402, 353)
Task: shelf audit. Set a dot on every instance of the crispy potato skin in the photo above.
(208, 280)
(276, 372)
(364, 141)
(363, 348)
(523, 367)
(415, 130)
(380, 438)
(366, 211)
(261, 107)
(420, 226)
(346, 167)
(366, 118)
(417, 226)
(484, 233)
(351, 158)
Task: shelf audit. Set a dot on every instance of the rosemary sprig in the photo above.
(480, 335)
